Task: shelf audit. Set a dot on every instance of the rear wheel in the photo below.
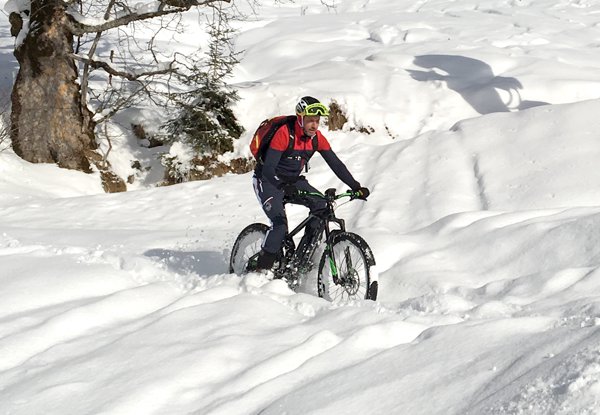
(246, 246)
(345, 269)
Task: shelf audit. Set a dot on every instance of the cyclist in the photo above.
(280, 176)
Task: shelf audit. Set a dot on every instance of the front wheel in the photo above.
(345, 269)
(247, 245)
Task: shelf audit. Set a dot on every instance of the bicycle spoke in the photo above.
(248, 244)
(347, 262)
(343, 268)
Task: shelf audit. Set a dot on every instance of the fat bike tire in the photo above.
(247, 244)
(349, 255)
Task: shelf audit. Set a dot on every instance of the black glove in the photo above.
(289, 190)
(361, 193)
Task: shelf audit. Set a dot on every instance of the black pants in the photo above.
(271, 200)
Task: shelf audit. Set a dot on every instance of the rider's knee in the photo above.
(279, 221)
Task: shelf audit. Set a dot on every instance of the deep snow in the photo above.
(483, 220)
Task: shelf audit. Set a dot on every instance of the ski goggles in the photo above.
(316, 109)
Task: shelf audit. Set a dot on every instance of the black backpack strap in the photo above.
(291, 125)
(315, 143)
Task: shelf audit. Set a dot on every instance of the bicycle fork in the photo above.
(335, 273)
(332, 267)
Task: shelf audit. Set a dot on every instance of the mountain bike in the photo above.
(343, 260)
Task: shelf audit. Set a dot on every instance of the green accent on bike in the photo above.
(305, 193)
(334, 271)
(345, 194)
(348, 281)
(252, 263)
(318, 194)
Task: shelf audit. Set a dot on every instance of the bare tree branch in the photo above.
(176, 6)
(86, 70)
(116, 104)
(4, 129)
(127, 75)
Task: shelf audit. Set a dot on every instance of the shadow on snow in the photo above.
(197, 262)
(474, 80)
(8, 68)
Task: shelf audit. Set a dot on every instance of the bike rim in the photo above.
(249, 246)
(348, 262)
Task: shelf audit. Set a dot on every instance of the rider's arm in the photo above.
(272, 156)
(269, 167)
(334, 163)
(339, 168)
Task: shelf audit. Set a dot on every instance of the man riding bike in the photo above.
(279, 176)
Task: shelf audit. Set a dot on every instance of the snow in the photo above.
(16, 6)
(483, 220)
(19, 7)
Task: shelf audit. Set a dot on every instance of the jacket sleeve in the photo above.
(269, 166)
(272, 156)
(339, 168)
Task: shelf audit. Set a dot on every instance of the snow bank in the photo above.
(483, 224)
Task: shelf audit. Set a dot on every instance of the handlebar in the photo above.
(330, 194)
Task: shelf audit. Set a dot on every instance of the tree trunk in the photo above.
(46, 120)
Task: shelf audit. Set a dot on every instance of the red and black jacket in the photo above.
(282, 165)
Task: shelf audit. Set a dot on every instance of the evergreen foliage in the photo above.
(207, 124)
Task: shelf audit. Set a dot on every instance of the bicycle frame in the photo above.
(339, 261)
(325, 218)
